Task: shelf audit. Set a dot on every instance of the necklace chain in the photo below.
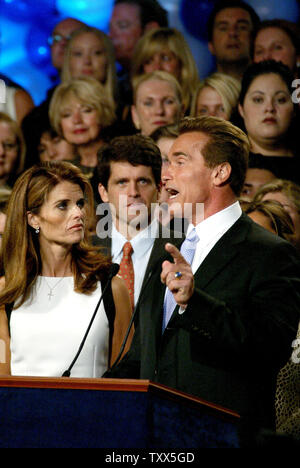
(50, 294)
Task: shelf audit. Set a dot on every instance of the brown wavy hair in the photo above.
(21, 260)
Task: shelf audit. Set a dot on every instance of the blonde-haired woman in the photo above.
(89, 52)
(54, 280)
(217, 95)
(157, 101)
(287, 193)
(12, 150)
(81, 112)
(166, 49)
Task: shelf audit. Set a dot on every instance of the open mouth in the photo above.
(172, 193)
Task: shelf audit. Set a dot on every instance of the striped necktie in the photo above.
(127, 271)
(187, 250)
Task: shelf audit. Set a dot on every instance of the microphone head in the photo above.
(114, 268)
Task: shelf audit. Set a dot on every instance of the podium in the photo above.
(109, 413)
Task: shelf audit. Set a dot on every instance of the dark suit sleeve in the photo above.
(261, 327)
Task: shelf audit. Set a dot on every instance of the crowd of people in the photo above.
(206, 298)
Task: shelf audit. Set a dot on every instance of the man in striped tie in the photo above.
(226, 305)
(129, 175)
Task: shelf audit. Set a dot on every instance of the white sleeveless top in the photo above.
(46, 332)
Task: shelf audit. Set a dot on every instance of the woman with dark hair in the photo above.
(54, 279)
(270, 119)
(279, 40)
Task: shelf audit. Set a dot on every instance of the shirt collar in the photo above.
(140, 243)
(219, 222)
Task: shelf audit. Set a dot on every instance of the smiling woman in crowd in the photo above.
(80, 112)
(89, 53)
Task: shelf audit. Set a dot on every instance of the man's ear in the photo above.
(32, 220)
(103, 193)
(150, 25)
(221, 174)
(211, 48)
(135, 118)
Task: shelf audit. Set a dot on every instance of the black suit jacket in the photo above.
(236, 331)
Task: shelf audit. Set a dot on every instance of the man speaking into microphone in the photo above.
(218, 319)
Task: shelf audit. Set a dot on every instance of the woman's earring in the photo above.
(37, 231)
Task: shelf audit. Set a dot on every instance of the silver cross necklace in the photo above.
(50, 294)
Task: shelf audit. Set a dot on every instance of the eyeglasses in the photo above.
(57, 38)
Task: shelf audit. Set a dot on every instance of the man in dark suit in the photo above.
(236, 302)
(129, 175)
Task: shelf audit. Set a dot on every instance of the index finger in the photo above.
(177, 257)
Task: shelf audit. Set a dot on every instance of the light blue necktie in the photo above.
(187, 251)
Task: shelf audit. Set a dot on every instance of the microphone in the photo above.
(113, 270)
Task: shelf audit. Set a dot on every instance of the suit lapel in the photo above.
(222, 253)
(158, 253)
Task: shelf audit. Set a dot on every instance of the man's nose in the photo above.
(233, 30)
(133, 189)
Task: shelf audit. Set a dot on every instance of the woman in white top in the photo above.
(54, 280)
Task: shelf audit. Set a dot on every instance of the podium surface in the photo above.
(109, 413)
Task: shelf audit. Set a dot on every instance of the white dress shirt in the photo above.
(142, 245)
(211, 230)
